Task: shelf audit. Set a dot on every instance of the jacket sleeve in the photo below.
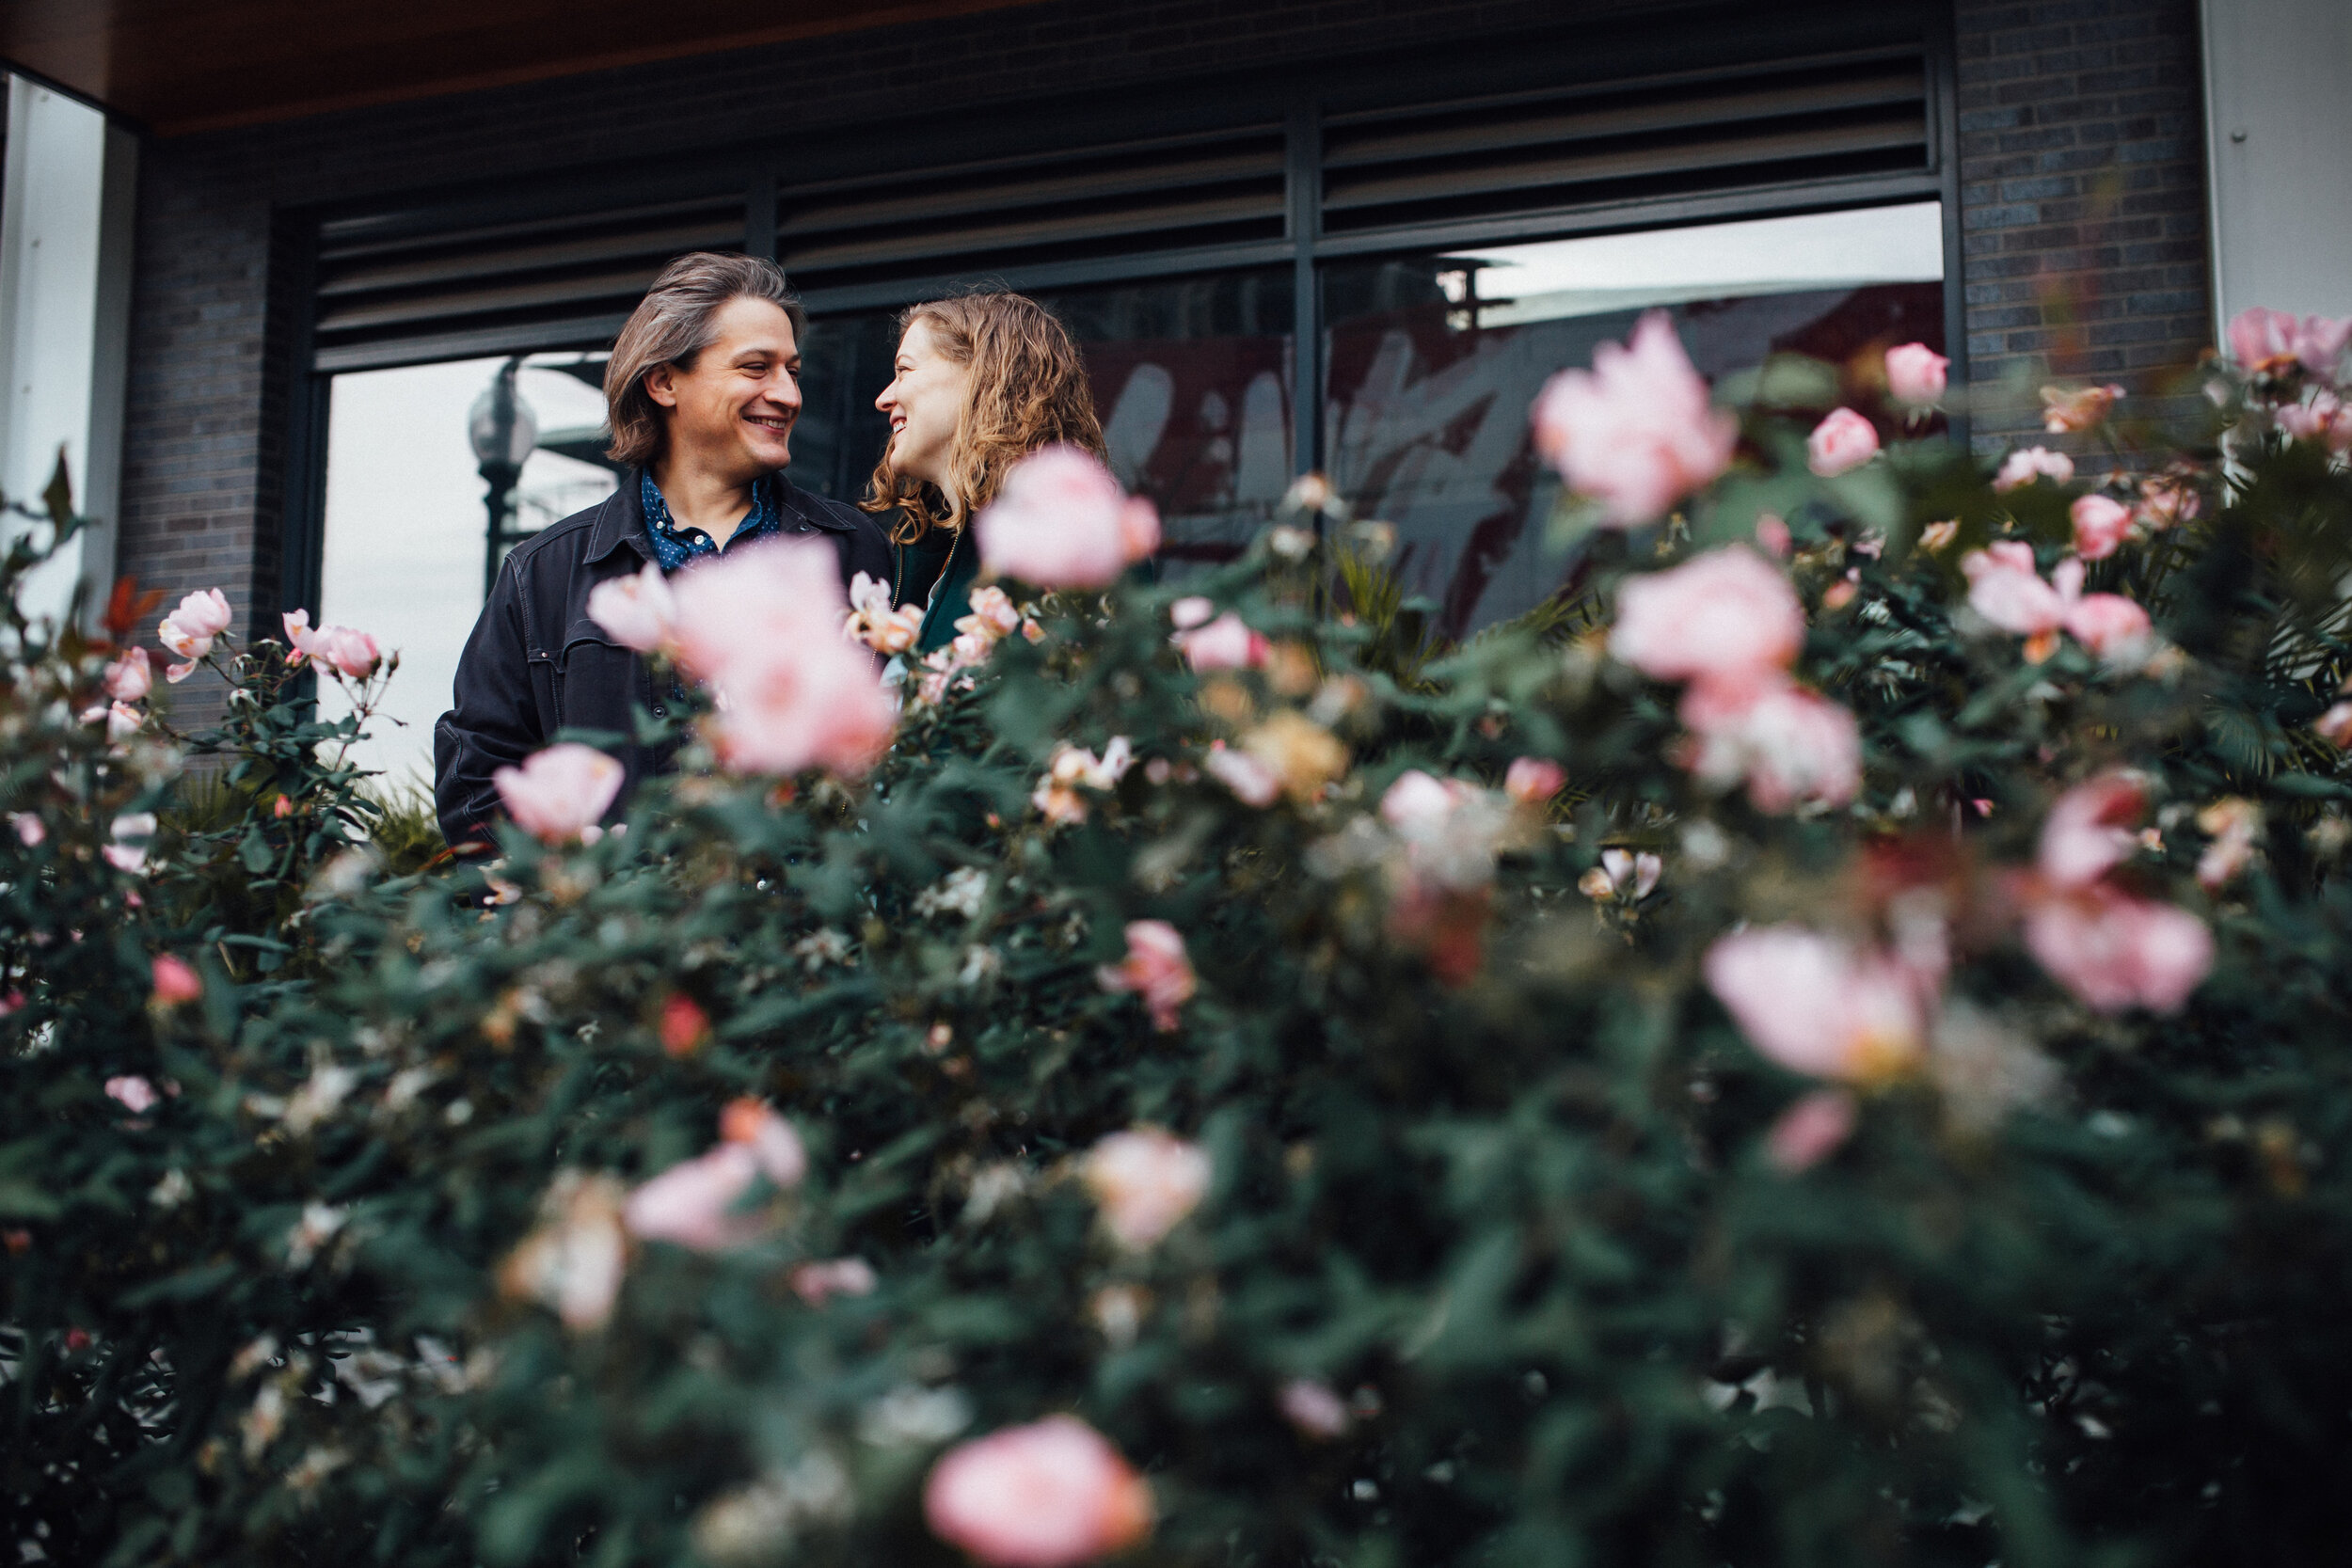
(495, 722)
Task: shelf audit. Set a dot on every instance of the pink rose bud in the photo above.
(1728, 617)
(1060, 520)
(1916, 376)
(1840, 443)
(1314, 1409)
(1637, 432)
(638, 611)
(1156, 968)
(1534, 780)
(284, 807)
(174, 982)
(684, 1024)
(2115, 952)
(820, 1282)
(2100, 526)
(1817, 1005)
(1145, 1182)
(136, 1094)
(1810, 1130)
(1227, 642)
(129, 678)
(557, 794)
(1771, 535)
(2024, 467)
(1050, 1495)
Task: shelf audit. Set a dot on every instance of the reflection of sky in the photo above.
(1665, 266)
(405, 528)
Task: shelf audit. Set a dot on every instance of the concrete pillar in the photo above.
(65, 214)
(2279, 130)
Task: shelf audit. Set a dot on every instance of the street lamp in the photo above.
(503, 431)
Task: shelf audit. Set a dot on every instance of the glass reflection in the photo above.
(1433, 362)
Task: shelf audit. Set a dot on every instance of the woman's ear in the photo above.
(661, 386)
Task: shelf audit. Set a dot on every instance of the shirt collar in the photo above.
(675, 546)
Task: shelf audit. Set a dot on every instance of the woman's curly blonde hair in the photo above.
(1029, 389)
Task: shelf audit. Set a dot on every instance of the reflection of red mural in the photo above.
(1202, 426)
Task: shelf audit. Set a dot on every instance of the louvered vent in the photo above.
(975, 218)
(1849, 114)
(387, 297)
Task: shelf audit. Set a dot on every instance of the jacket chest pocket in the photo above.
(598, 682)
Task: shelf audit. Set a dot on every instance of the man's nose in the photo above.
(784, 390)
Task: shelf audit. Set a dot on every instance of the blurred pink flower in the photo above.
(1145, 1181)
(2074, 408)
(1843, 441)
(136, 1094)
(1060, 520)
(30, 829)
(2319, 342)
(174, 982)
(1253, 781)
(574, 1258)
(1728, 616)
(2110, 624)
(2235, 825)
(789, 709)
(1313, 1409)
(2115, 952)
(2092, 829)
(123, 854)
(693, 1203)
(731, 607)
(638, 611)
(120, 718)
(1534, 780)
(1790, 744)
(1771, 535)
(1620, 871)
(873, 622)
(2166, 499)
(2261, 339)
(2323, 416)
(1816, 1006)
(2100, 525)
(189, 630)
(2335, 726)
(1050, 1495)
(1637, 432)
(1811, 1130)
(820, 1282)
(1227, 642)
(2031, 462)
(129, 678)
(1916, 374)
(1156, 968)
(560, 793)
(2006, 588)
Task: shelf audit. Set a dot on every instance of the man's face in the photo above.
(732, 413)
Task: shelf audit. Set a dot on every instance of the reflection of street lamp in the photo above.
(503, 430)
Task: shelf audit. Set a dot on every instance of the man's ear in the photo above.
(661, 386)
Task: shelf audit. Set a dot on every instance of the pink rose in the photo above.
(1916, 374)
(136, 1094)
(128, 678)
(2069, 408)
(2335, 726)
(1254, 781)
(730, 610)
(2091, 830)
(1771, 535)
(1842, 442)
(1816, 1006)
(2236, 824)
(2100, 525)
(2115, 952)
(575, 1258)
(559, 794)
(820, 1282)
(1156, 969)
(131, 833)
(693, 1203)
(792, 708)
(189, 630)
(353, 653)
(1810, 1130)
(1636, 431)
(1227, 642)
(1060, 520)
(640, 612)
(1145, 1182)
(2006, 589)
(1313, 1409)
(776, 1148)
(1727, 616)
(2108, 624)
(2261, 339)
(30, 829)
(1534, 780)
(1790, 744)
(1050, 1495)
(2024, 467)
(2319, 342)
(174, 982)
(1620, 871)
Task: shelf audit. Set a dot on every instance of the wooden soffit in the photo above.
(174, 66)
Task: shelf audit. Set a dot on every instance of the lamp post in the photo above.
(503, 430)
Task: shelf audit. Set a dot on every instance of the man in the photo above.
(702, 391)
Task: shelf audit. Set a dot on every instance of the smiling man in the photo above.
(702, 391)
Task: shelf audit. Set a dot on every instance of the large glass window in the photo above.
(1433, 360)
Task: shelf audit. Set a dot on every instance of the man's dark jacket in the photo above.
(536, 663)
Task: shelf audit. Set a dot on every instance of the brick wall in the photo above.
(2083, 200)
(2080, 155)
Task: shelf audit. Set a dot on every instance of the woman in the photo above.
(980, 381)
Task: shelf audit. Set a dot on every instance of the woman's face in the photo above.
(924, 400)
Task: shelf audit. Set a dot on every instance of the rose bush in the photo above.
(1858, 1081)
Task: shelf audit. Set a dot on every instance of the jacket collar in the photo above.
(621, 520)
